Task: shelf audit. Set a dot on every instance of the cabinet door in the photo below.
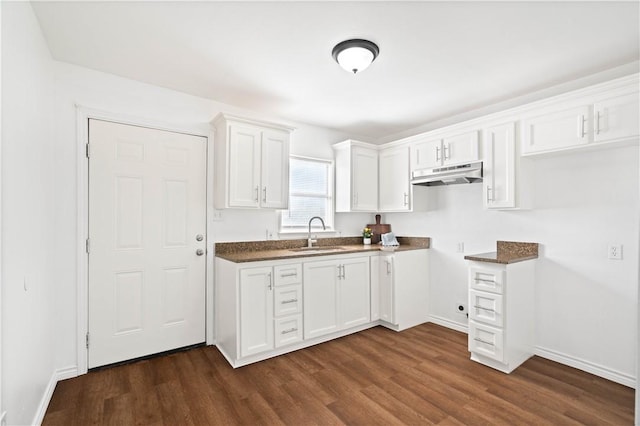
(394, 187)
(499, 167)
(557, 130)
(426, 154)
(320, 300)
(364, 179)
(353, 293)
(461, 148)
(616, 118)
(256, 310)
(244, 166)
(275, 170)
(386, 289)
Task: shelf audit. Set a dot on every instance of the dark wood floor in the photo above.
(420, 376)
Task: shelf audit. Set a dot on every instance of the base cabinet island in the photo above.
(274, 297)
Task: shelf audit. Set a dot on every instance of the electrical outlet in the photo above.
(216, 216)
(461, 308)
(615, 251)
(460, 247)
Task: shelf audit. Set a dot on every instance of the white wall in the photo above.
(586, 304)
(28, 209)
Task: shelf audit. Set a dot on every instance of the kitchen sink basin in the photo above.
(320, 249)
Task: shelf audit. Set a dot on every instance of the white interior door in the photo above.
(147, 216)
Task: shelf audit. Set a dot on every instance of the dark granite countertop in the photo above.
(254, 251)
(508, 252)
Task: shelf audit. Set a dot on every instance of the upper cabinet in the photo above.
(446, 150)
(251, 163)
(592, 116)
(394, 187)
(356, 176)
(507, 178)
(616, 118)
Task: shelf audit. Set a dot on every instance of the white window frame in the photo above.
(329, 219)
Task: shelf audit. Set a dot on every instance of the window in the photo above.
(310, 194)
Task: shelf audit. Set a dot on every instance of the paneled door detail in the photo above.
(147, 219)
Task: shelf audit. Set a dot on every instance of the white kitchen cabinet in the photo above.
(251, 164)
(616, 117)
(445, 150)
(557, 130)
(288, 304)
(394, 187)
(426, 154)
(600, 117)
(356, 176)
(501, 313)
(403, 288)
(336, 295)
(507, 177)
(256, 310)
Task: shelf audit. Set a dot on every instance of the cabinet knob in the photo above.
(199, 252)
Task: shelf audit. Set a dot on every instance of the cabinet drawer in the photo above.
(287, 300)
(486, 307)
(288, 330)
(486, 340)
(288, 274)
(486, 279)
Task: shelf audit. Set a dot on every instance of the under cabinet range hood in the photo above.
(448, 175)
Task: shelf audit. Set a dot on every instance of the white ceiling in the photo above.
(436, 58)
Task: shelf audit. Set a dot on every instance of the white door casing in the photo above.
(147, 204)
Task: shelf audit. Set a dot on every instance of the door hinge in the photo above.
(87, 150)
(87, 246)
(87, 339)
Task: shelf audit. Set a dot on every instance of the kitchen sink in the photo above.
(319, 249)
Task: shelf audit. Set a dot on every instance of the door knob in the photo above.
(199, 252)
(199, 237)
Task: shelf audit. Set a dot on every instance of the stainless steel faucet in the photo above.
(309, 240)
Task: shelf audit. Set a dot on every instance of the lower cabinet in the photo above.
(336, 295)
(258, 309)
(401, 282)
(501, 313)
(267, 308)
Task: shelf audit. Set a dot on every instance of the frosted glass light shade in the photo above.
(355, 55)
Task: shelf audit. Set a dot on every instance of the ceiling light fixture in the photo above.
(355, 55)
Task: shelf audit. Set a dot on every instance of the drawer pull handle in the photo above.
(484, 309)
(289, 301)
(291, 330)
(294, 274)
(483, 341)
(485, 281)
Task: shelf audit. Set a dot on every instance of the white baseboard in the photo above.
(589, 367)
(580, 364)
(59, 374)
(464, 328)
